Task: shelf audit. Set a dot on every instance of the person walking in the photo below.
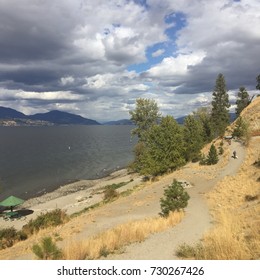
(234, 154)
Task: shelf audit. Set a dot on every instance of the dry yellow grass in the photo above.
(237, 231)
(122, 235)
(236, 234)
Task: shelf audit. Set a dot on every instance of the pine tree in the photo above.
(243, 100)
(242, 130)
(212, 156)
(220, 104)
(175, 199)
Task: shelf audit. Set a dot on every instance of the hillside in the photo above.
(224, 204)
(58, 117)
(252, 115)
(8, 113)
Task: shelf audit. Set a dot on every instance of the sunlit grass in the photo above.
(118, 237)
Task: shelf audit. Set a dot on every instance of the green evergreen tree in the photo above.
(258, 82)
(220, 104)
(163, 148)
(242, 130)
(175, 198)
(203, 114)
(47, 250)
(212, 156)
(193, 138)
(145, 115)
(243, 100)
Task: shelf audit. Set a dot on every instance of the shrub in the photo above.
(212, 156)
(49, 219)
(249, 197)
(9, 236)
(203, 160)
(47, 250)
(220, 150)
(186, 251)
(257, 162)
(110, 193)
(175, 199)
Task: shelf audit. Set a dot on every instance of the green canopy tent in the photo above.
(11, 202)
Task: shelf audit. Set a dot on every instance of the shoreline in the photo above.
(72, 197)
(73, 187)
(52, 187)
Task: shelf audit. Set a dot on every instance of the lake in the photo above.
(34, 160)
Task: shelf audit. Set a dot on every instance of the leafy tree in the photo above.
(220, 105)
(193, 138)
(243, 100)
(175, 198)
(212, 156)
(163, 149)
(145, 115)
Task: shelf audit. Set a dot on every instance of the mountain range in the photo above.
(11, 117)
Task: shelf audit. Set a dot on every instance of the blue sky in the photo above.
(95, 57)
(156, 52)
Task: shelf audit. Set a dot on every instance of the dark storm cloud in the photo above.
(73, 54)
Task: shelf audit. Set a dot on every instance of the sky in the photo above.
(94, 58)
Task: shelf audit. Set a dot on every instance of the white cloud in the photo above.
(58, 95)
(158, 53)
(179, 65)
(67, 80)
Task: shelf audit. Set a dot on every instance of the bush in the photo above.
(110, 193)
(49, 219)
(203, 160)
(242, 130)
(175, 199)
(186, 251)
(212, 156)
(257, 162)
(220, 150)
(251, 197)
(47, 250)
(9, 236)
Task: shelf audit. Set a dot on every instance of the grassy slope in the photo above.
(235, 206)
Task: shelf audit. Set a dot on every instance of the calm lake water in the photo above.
(34, 160)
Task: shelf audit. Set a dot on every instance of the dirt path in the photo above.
(197, 220)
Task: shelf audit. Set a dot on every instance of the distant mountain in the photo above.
(11, 117)
(180, 120)
(59, 117)
(8, 113)
(119, 122)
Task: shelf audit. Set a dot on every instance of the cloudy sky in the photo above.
(95, 57)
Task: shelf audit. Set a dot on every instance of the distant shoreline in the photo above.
(73, 188)
(76, 182)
